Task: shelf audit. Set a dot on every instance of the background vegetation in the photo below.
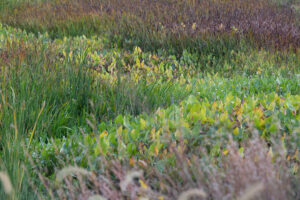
(149, 99)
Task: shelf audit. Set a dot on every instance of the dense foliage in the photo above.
(149, 99)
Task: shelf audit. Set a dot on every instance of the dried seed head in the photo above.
(6, 183)
(252, 191)
(96, 197)
(67, 171)
(192, 193)
(130, 179)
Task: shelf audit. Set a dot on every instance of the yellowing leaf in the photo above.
(296, 155)
(138, 62)
(143, 123)
(156, 150)
(234, 29)
(153, 134)
(138, 50)
(143, 185)
(64, 53)
(119, 131)
(154, 57)
(104, 133)
(241, 150)
(194, 26)
(188, 86)
(236, 131)
(203, 114)
(225, 152)
(70, 54)
(224, 117)
(131, 161)
(295, 168)
(185, 124)
(258, 71)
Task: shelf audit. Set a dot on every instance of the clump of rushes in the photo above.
(214, 26)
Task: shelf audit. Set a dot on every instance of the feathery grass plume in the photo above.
(143, 198)
(129, 178)
(62, 174)
(97, 197)
(252, 191)
(192, 193)
(6, 183)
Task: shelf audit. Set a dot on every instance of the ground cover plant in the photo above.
(149, 99)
